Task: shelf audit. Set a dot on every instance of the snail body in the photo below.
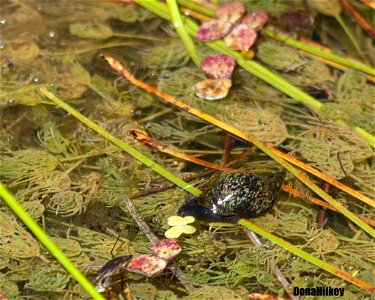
(234, 196)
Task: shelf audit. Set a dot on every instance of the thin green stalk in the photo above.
(333, 57)
(315, 261)
(251, 66)
(51, 247)
(137, 155)
(196, 7)
(180, 28)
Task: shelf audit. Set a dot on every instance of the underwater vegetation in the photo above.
(251, 166)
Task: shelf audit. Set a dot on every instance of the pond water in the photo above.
(72, 181)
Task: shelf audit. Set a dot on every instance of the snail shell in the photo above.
(234, 196)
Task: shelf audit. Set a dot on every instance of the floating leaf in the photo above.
(91, 30)
(213, 89)
(166, 248)
(242, 37)
(230, 12)
(148, 265)
(218, 66)
(177, 220)
(213, 30)
(179, 226)
(255, 19)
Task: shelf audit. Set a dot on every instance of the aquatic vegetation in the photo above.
(72, 181)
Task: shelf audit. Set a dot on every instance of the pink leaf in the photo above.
(147, 265)
(218, 66)
(230, 12)
(242, 37)
(213, 30)
(166, 249)
(255, 19)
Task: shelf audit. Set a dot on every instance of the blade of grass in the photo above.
(194, 6)
(180, 28)
(50, 246)
(251, 66)
(271, 32)
(121, 69)
(137, 155)
(316, 261)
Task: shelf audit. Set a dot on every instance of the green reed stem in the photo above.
(137, 155)
(196, 7)
(333, 57)
(51, 247)
(180, 28)
(315, 261)
(251, 66)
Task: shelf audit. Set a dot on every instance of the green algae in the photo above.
(73, 182)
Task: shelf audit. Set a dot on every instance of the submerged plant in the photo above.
(73, 181)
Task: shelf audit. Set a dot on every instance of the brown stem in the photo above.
(274, 268)
(320, 218)
(356, 16)
(154, 239)
(228, 143)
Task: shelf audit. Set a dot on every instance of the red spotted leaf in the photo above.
(148, 265)
(213, 30)
(230, 12)
(255, 19)
(166, 248)
(218, 66)
(241, 38)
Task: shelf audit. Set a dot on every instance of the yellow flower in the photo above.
(179, 226)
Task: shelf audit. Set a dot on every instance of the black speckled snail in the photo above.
(234, 196)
